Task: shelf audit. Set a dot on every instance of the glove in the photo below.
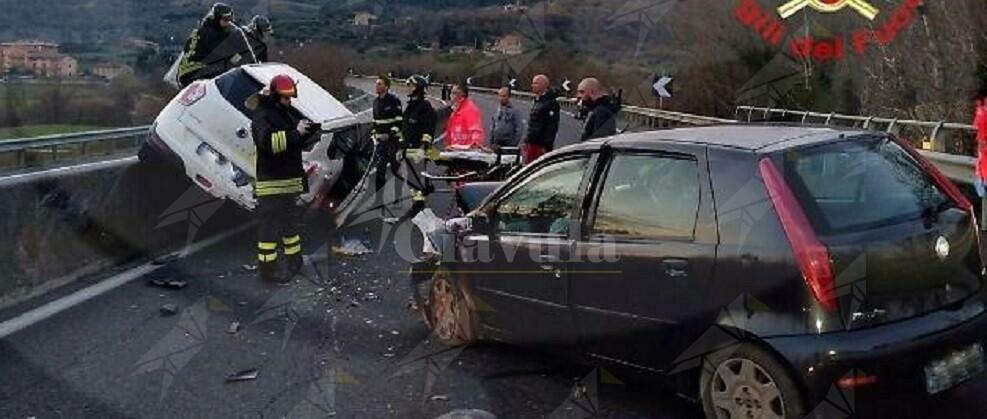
(303, 127)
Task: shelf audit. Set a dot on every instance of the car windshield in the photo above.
(860, 184)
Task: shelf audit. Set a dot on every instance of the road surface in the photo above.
(342, 344)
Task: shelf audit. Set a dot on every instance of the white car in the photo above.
(205, 130)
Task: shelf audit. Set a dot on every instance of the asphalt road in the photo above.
(342, 343)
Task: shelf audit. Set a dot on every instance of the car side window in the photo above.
(647, 197)
(543, 203)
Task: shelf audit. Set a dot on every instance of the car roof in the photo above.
(752, 137)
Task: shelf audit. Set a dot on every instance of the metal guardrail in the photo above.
(21, 153)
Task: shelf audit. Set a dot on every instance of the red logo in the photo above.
(769, 24)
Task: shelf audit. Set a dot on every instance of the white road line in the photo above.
(39, 314)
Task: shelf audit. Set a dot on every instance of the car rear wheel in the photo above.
(748, 383)
(450, 314)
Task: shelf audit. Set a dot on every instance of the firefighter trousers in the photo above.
(280, 225)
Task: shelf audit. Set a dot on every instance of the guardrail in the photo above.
(40, 151)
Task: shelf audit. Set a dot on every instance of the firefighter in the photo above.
(418, 127)
(197, 62)
(386, 130)
(257, 33)
(279, 138)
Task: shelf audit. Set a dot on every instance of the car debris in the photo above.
(468, 414)
(166, 259)
(234, 328)
(351, 247)
(245, 375)
(169, 310)
(168, 283)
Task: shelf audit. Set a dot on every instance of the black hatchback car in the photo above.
(758, 268)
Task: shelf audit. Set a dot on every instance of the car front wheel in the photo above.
(748, 382)
(450, 313)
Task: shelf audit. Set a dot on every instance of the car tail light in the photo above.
(203, 181)
(192, 94)
(811, 254)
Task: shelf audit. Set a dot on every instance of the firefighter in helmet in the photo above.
(279, 138)
(199, 61)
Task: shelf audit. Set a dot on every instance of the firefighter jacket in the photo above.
(279, 150)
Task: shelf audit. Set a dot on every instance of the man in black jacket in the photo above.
(543, 122)
(279, 138)
(200, 61)
(386, 129)
(601, 112)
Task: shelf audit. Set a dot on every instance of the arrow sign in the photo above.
(663, 87)
(469, 81)
(566, 85)
(513, 83)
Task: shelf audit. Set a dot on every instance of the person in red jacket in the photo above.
(464, 131)
(980, 123)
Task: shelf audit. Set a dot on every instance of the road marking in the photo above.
(66, 169)
(42, 313)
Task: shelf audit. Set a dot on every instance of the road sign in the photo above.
(513, 83)
(566, 85)
(469, 81)
(663, 87)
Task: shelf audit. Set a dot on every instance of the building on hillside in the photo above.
(39, 58)
(511, 44)
(110, 71)
(515, 7)
(364, 19)
(462, 50)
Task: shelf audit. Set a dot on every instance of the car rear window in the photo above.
(860, 184)
(236, 86)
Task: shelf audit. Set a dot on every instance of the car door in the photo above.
(518, 270)
(639, 269)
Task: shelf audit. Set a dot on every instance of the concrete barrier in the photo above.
(63, 224)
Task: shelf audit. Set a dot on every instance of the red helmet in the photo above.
(283, 85)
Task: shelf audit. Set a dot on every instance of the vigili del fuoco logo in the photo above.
(877, 28)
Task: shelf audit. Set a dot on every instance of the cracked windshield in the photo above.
(482, 209)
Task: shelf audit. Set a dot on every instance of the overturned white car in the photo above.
(205, 130)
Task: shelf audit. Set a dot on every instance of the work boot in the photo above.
(268, 272)
(295, 265)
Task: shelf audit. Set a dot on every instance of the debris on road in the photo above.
(166, 259)
(172, 284)
(352, 248)
(249, 268)
(468, 414)
(169, 309)
(245, 375)
(234, 328)
(440, 397)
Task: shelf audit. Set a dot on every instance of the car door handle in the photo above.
(676, 268)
